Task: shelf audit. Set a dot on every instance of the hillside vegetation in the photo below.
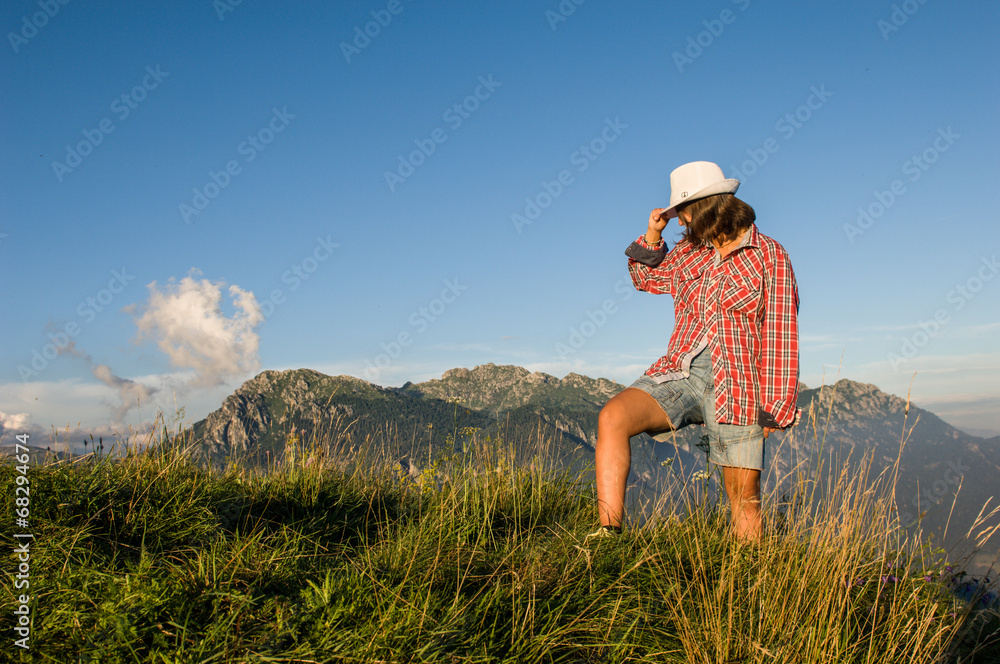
(479, 554)
(944, 475)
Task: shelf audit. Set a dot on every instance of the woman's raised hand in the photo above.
(656, 225)
(656, 222)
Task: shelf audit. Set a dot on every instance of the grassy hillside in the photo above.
(340, 554)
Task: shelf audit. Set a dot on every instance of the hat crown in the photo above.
(698, 179)
(689, 178)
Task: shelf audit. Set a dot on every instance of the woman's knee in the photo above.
(613, 416)
(632, 411)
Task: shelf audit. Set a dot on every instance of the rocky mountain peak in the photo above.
(493, 388)
(862, 399)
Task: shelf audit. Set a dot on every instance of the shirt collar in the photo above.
(750, 239)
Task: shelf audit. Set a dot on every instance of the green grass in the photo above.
(333, 556)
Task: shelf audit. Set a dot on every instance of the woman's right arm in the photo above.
(646, 266)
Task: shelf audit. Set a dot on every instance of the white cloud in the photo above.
(989, 330)
(14, 421)
(130, 393)
(828, 339)
(958, 388)
(186, 321)
(61, 413)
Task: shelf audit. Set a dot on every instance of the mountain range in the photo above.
(841, 422)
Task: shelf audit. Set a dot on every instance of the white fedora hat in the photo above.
(695, 180)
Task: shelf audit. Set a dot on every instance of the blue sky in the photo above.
(195, 194)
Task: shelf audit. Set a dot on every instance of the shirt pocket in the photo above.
(742, 293)
(686, 286)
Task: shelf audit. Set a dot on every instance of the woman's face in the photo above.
(684, 217)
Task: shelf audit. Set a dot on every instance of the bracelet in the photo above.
(652, 244)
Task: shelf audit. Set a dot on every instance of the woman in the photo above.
(732, 360)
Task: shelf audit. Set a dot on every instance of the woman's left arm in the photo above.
(778, 367)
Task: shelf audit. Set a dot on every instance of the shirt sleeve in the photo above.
(779, 359)
(647, 268)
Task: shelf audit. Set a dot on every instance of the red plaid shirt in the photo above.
(745, 309)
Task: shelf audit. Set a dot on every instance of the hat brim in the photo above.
(728, 186)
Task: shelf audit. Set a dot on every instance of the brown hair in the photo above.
(722, 217)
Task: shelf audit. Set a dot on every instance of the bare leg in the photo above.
(627, 414)
(743, 488)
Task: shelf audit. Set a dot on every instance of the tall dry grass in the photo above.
(476, 550)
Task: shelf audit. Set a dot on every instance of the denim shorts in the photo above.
(691, 400)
